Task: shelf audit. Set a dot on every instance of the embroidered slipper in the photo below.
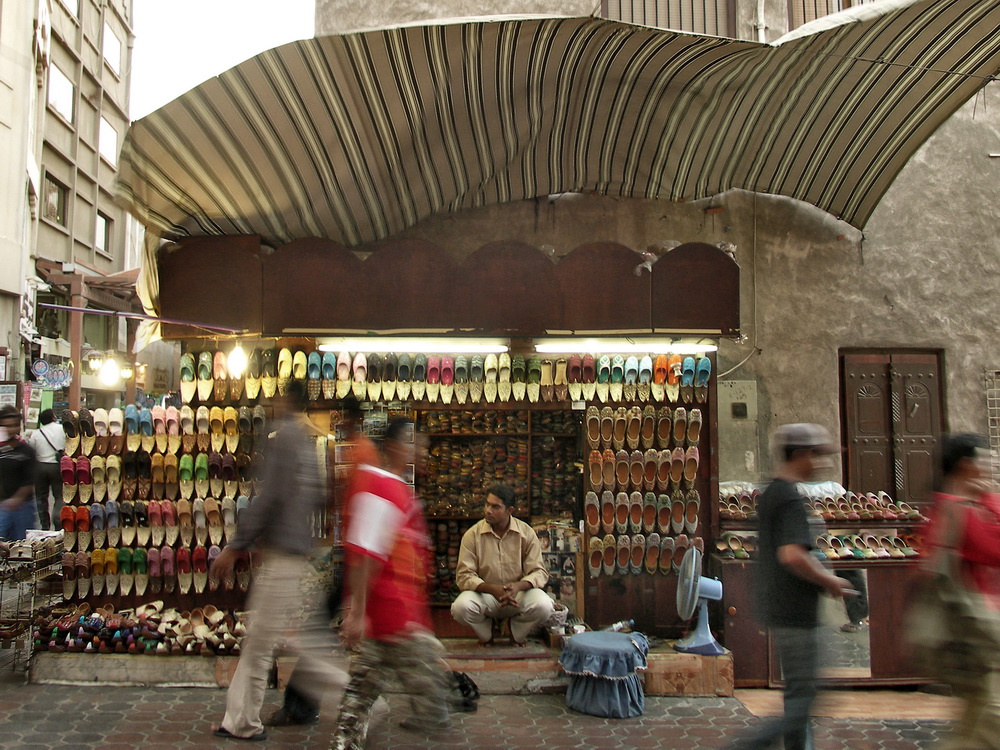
(607, 426)
(68, 573)
(607, 511)
(631, 378)
(703, 372)
(663, 459)
(88, 434)
(67, 468)
(82, 575)
(666, 554)
(215, 482)
(490, 368)
(67, 519)
(251, 378)
(268, 386)
(205, 382)
(328, 371)
(691, 460)
(680, 425)
(681, 544)
(647, 427)
(518, 370)
(168, 569)
(692, 511)
(188, 384)
(185, 521)
(621, 512)
(677, 512)
(126, 577)
(375, 371)
(359, 385)
(593, 423)
(97, 525)
(694, 427)
(284, 369)
(534, 386)
(199, 569)
(638, 554)
(595, 465)
(404, 374)
(343, 374)
(635, 512)
(300, 365)
(433, 386)
(183, 565)
(140, 569)
(624, 554)
(650, 461)
(588, 377)
(220, 376)
(636, 469)
(633, 427)
(592, 513)
(560, 380)
(476, 375)
(652, 558)
(83, 535)
(649, 512)
(610, 554)
(621, 469)
(687, 380)
(645, 378)
(617, 378)
(674, 364)
(609, 461)
(663, 513)
(418, 380)
(596, 557)
(574, 377)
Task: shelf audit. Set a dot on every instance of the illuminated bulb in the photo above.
(236, 363)
(110, 371)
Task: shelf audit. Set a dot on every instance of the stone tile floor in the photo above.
(44, 717)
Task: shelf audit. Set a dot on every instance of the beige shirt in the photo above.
(488, 558)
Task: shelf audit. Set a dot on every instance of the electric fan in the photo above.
(694, 590)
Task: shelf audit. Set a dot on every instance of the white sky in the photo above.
(180, 43)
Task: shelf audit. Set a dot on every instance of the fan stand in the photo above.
(700, 641)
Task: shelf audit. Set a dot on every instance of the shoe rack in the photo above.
(862, 531)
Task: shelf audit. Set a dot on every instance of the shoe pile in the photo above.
(148, 629)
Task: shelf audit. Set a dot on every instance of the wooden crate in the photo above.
(673, 673)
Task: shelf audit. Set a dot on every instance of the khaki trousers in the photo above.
(274, 596)
(479, 610)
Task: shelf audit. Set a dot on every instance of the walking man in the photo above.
(789, 579)
(49, 441)
(279, 522)
(17, 478)
(387, 611)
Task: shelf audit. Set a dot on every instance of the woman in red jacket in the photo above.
(966, 516)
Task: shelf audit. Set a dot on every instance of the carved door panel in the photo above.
(891, 408)
(916, 416)
(867, 422)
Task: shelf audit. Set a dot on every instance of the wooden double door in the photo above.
(891, 407)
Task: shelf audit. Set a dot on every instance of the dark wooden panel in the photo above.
(410, 284)
(888, 596)
(867, 422)
(508, 286)
(211, 280)
(917, 423)
(601, 291)
(696, 286)
(741, 632)
(313, 284)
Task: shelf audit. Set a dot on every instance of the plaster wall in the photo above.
(343, 16)
(924, 275)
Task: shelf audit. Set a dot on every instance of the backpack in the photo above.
(463, 693)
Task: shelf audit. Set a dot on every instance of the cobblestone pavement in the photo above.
(40, 717)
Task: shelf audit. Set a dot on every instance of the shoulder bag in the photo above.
(953, 636)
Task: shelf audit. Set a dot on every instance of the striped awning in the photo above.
(356, 137)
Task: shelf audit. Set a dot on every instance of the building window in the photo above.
(112, 49)
(73, 6)
(102, 234)
(108, 142)
(62, 94)
(55, 201)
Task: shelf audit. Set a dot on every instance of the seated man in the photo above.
(500, 572)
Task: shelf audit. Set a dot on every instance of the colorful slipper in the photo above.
(607, 511)
(652, 552)
(649, 512)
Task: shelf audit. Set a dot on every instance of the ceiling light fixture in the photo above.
(427, 345)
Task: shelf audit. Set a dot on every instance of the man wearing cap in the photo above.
(789, 579)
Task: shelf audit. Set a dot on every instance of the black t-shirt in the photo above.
(783, 598)
(17, 468)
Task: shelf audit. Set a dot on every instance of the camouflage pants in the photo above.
(417, 663)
